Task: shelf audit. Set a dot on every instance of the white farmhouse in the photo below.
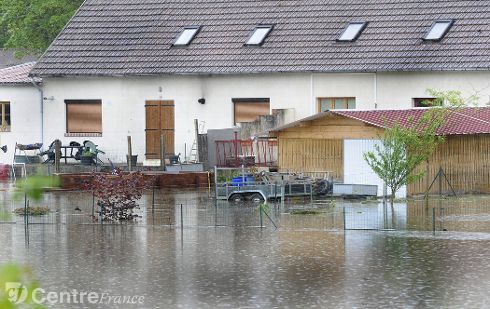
(20, 109)
(145, 68)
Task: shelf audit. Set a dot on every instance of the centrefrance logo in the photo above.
(17, 294)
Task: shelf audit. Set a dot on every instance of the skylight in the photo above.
(186, 36)
(352, 31)
(438, 30)
(258, 36)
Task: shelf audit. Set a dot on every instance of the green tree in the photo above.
(29, 26)
(404, 147)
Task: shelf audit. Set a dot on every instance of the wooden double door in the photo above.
(160, 119)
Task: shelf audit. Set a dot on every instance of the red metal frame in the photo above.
(229, 152)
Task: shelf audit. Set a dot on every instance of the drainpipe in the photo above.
(375, 90)
(41, 102)
(312, 94)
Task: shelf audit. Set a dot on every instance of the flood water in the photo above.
(207, 255)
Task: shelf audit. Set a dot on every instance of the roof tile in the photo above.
(134, 37)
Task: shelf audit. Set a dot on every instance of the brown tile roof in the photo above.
(134, 37)
(18, 74)
(460, 122)
(465, 121)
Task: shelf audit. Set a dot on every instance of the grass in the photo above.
(305, 212)
(32, 211)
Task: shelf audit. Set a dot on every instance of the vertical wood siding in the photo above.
(466, 162)
(311, 155)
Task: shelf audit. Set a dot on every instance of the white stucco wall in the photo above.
(123, 99)
(25, 113)
(396, 90)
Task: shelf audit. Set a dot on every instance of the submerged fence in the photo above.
(188, 209)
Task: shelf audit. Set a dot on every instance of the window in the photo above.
(258, 36)
(83, 116)
(325, 104)
(352, 31)
(424, 102)
(186, 36)
(5, 119)
(247, 110)
(438, 30)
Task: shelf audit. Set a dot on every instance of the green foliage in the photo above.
(403, 148)
(227, 175)
(264, 207)
(87, 153)
(14, 273)
(34, 186)
(30, 26)
(32, 211)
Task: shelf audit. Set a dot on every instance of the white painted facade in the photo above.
(123, 99)
(25, 113)
(357, 171)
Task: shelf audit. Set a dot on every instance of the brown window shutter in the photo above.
(249, 111)
(84, 117)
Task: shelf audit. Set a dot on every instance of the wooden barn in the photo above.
(334, 141)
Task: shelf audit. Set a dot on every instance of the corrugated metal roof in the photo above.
(465, 121)
(134, 37)
(18, 74)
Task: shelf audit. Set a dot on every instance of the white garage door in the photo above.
(357, 171)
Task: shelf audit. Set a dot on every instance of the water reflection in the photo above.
(252, 267)
(221, 257)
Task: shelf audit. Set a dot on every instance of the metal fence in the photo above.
(190, 208)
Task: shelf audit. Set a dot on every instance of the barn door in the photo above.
(159, 120)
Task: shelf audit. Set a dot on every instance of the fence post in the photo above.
(260, 215)
(130, 155)
(439, 174)
(343, 214)
(162, 152)
(181, 217)
(153, 200)
(196, 130)
(93, 205)
(57, 155)
(26, 213)
(433, 221)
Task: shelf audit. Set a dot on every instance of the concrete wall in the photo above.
(25, 110)
(123, 99)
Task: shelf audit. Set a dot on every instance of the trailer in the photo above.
(258, 190)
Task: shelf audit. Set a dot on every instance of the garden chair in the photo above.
(50, 152)
(93, 149)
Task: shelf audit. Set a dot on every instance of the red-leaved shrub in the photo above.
(117, 194)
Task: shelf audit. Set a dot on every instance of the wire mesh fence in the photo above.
(193, 208)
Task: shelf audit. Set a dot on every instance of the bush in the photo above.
(117, 194)
(32, 211)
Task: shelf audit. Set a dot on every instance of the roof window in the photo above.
(258, 36)
(186, 36)
(438, 30)
(352, 31)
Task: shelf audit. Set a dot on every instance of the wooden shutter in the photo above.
(246, 111)
(84, 116)
(160, 117)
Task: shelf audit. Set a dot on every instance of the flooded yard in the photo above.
(338, 254)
